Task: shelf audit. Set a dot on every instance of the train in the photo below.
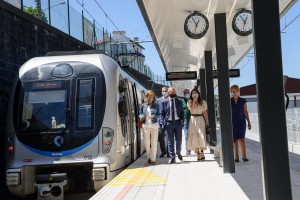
(71, 124)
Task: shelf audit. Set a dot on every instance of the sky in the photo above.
(126, 16)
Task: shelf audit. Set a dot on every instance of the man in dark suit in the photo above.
(162, 136)
(171, 111)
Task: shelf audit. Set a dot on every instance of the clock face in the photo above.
(196, 25)
(242, 22)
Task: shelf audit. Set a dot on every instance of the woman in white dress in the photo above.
(197, 125)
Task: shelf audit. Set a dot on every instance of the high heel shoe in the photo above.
(202, 157)
(236, 160)
(245, 160)
(198, 154)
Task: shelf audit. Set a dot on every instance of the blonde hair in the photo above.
(148, 93)
(235, 87)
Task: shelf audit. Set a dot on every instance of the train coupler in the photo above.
(51, 186)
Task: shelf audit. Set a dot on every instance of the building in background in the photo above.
(128, 53)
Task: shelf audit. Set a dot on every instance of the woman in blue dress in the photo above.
(239, 117)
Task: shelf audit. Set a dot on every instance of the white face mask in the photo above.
(233, 94)
(195, 95)
(150, 100)
(165, 94)
(186, 96)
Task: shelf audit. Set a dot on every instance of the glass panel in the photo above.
(16, 3)
(58, 15)
(37, 9)
(76, 24)
(44, 110)
(85, 104)
(88, 29)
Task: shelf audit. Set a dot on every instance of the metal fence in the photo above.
(81, 26)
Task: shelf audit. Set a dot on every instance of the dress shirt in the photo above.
(175, 110)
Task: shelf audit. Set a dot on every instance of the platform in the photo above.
(189, 179)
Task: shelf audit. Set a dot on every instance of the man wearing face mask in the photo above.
(171, 117)
(187, 115)
(162, 137)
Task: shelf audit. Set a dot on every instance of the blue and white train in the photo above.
(71, 124)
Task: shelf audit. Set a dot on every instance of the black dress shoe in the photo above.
(162, 155)
(172, 161)
(180, 157)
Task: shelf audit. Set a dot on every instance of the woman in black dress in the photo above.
(239, 117)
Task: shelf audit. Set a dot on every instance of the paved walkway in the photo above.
(189, 179)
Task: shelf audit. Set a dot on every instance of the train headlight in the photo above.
(62, 70)
(99, 174)
(13, 179)
(107, 138)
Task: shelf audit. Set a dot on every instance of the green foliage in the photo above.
(35, 12)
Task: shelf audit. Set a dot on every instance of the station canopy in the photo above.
(165, 20)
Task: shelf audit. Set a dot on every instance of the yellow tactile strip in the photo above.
(137, 176)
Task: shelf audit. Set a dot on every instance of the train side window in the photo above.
(85, 101)
(122, 84)
(122, 107)
(143, 95)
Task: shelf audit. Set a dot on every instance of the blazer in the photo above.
(154, 111)
(159, 102)
(165, 110)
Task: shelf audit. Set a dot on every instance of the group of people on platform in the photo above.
(164, 118)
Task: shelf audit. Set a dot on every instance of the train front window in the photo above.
(44, 111)
(85, 104)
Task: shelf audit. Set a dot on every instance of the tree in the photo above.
(35, 12)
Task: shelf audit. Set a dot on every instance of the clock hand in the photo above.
(245, 22)
(194, 21)
(242, 18)
(196, 25)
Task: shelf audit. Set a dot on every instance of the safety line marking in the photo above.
(134, 177)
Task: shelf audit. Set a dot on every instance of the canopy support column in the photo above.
(270, 96)
(224, 97)
(210, 95)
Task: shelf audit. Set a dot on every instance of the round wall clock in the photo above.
(242, 22)
(196, 25)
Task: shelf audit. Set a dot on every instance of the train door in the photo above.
(138, 131)
(125, 112)
(131, 112)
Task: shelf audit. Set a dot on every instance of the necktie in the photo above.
(173, 110)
